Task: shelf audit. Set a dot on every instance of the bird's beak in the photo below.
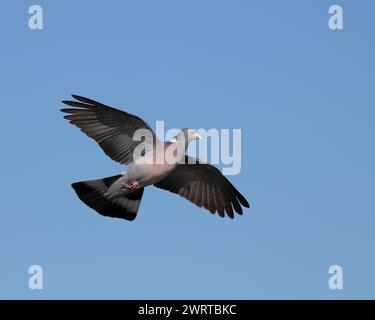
(197, 136)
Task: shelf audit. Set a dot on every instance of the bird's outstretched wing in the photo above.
(204, 185)
(112, 129)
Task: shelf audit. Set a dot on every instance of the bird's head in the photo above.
(186, 135)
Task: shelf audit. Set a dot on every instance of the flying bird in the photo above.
(119, 196)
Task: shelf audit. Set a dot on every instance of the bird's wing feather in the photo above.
(204, 185)
(112, 129)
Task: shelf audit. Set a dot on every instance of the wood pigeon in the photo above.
(162, 164)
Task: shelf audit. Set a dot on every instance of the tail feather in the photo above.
(94, 194)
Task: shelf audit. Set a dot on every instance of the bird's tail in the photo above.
(94, 194)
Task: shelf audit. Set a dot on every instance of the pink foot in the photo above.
(133, 186)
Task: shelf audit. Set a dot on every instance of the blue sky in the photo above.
(302, 94)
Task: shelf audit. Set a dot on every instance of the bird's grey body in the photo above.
(147, 174)
(154, 165)
(151, 162)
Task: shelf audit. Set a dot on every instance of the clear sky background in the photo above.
(302, 94)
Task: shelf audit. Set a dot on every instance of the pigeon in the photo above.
(149, 161)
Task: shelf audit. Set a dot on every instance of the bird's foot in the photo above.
(133, 186)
